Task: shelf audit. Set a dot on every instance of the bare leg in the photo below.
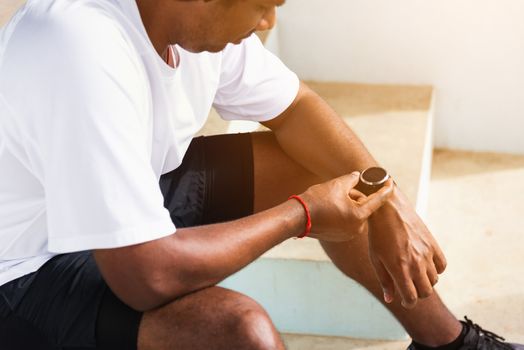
(277, 176)
(213, 318)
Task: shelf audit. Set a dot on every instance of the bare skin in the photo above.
(214, 318)
(211, 25)
(172, 277)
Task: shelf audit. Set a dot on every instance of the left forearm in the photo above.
(312, 133)
(405, 255)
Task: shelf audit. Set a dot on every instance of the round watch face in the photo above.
(374, 176)
(371, 180)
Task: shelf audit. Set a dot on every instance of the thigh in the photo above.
(225, 177)
(276, 175)
(58, 304)
(213, 184)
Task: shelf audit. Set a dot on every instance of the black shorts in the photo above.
(67, 305)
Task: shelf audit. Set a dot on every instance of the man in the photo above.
(99, 102)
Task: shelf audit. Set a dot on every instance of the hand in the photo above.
(406, 257)
(338, 212)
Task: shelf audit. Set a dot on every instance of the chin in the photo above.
(216, 49)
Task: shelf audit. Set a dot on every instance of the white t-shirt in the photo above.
(91, 117)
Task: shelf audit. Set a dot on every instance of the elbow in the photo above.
(150, 294)
(159, 289)
(151, 275)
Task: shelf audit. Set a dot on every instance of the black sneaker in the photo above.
(477, 338)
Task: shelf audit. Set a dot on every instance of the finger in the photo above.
(386, 282)
(349, 180)
(439, 260)
(377, 199)
(431, 272)
(432, 275)
(406, 289)
(423, 285)
(356, 195)
(352, 179)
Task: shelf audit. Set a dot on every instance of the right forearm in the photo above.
(148, 275)
(213, 252)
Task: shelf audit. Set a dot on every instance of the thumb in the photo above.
(351, 180)
(377, 199)
(388, 286)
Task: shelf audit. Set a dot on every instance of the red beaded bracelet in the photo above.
(308, 216)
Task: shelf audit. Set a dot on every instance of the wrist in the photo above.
(391, 205)
(304, 216)
(392, 202)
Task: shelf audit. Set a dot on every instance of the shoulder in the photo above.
(69, 27)
(71, 55)
(69, 38)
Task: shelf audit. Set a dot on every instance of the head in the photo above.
(206, 25)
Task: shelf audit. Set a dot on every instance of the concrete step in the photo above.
(296, 282)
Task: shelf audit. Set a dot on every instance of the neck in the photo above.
(154, 24)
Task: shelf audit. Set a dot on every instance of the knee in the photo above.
(252, 328)
(213, 318)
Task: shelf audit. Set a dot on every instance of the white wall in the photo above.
(472, 51)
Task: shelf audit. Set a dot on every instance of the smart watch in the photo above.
(371, 180)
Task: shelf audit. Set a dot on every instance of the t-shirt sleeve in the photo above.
(92, 137)
(254, 84)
